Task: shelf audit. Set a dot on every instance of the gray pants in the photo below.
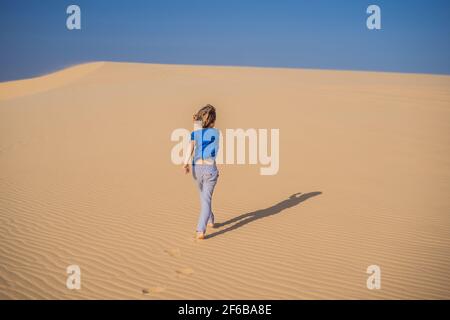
(206, 178)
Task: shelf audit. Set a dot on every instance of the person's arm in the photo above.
(188, 157)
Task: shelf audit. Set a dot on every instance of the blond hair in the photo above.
(206, 115)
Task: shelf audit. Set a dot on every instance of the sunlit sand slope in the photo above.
(86, 178)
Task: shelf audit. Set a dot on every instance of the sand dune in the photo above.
(14, 89)
(86, 179)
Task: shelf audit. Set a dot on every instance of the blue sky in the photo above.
(325, 34)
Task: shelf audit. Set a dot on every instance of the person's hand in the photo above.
(187, 168)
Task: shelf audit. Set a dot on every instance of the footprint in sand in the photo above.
(176, 253)
(184, 272)
(153, 290)
(196, 241)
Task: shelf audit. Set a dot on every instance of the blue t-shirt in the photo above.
(206, 143)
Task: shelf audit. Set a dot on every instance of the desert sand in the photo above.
(86, 178)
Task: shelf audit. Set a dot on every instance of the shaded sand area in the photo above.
(86, 178)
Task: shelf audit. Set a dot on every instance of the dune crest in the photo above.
(19, 88)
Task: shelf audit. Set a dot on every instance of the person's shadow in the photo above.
(245, 218)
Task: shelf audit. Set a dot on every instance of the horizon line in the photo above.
(73, 65)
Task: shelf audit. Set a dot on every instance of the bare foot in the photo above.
(200, 235)
(211, 225)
